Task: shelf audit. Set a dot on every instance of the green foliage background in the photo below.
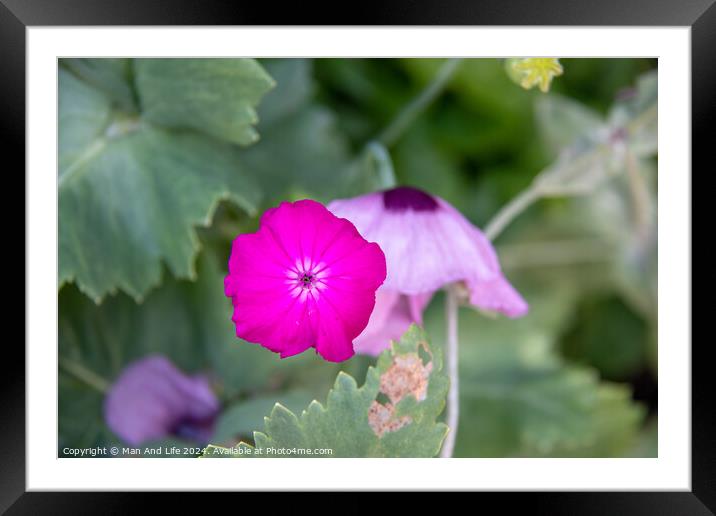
(163, 162)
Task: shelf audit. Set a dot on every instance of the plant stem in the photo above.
(510, 210)
(85, 375)
(383, 164)
(392, 133)
(536, 190)
(641, 200)
(453, 401)
(496, 225)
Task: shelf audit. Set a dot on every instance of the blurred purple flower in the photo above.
(152, 399)
(427, 244)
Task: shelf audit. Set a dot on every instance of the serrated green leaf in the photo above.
(130, 200)
(301, 152)
(216, 96)
(106, 338)
(616, 422)
(406, 388)
(243, 417)
(559, 413)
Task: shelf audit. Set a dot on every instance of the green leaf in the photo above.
(105, 338)
(181, 320)
(294, 88)
(392, 415)
(303, 156)
(562, 121)
(216, 96)
(80, 421)
(111, 76)
(242, 418)
(561, 412)
(301, 153)
(616, 422)
(83, 114)
(130, 200)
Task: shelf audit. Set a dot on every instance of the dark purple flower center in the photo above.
(408, 198)
(306, 280)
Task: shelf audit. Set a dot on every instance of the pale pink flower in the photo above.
(391, 317)
(427, 244)
(305, 279)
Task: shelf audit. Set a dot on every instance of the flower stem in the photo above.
(85, 375)
(453, 401)
(511, 210)
(538, 189)
(641, 200)
(380, 157)
(394, 131)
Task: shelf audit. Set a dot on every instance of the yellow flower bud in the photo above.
(532, 71)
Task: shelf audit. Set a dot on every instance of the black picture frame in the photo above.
(17, 15)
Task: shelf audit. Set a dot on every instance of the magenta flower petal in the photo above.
(152, 399)
(305, 279)
(393, 314)
(428, 244)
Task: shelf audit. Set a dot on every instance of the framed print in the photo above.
(453, 257)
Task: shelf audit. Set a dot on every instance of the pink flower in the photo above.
(427, 244)
(152, 399)
(305, 279)
(393, 314)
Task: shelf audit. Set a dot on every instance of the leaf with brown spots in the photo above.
(394, 413)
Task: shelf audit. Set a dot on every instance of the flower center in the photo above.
(408, 198)
(306, 280)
